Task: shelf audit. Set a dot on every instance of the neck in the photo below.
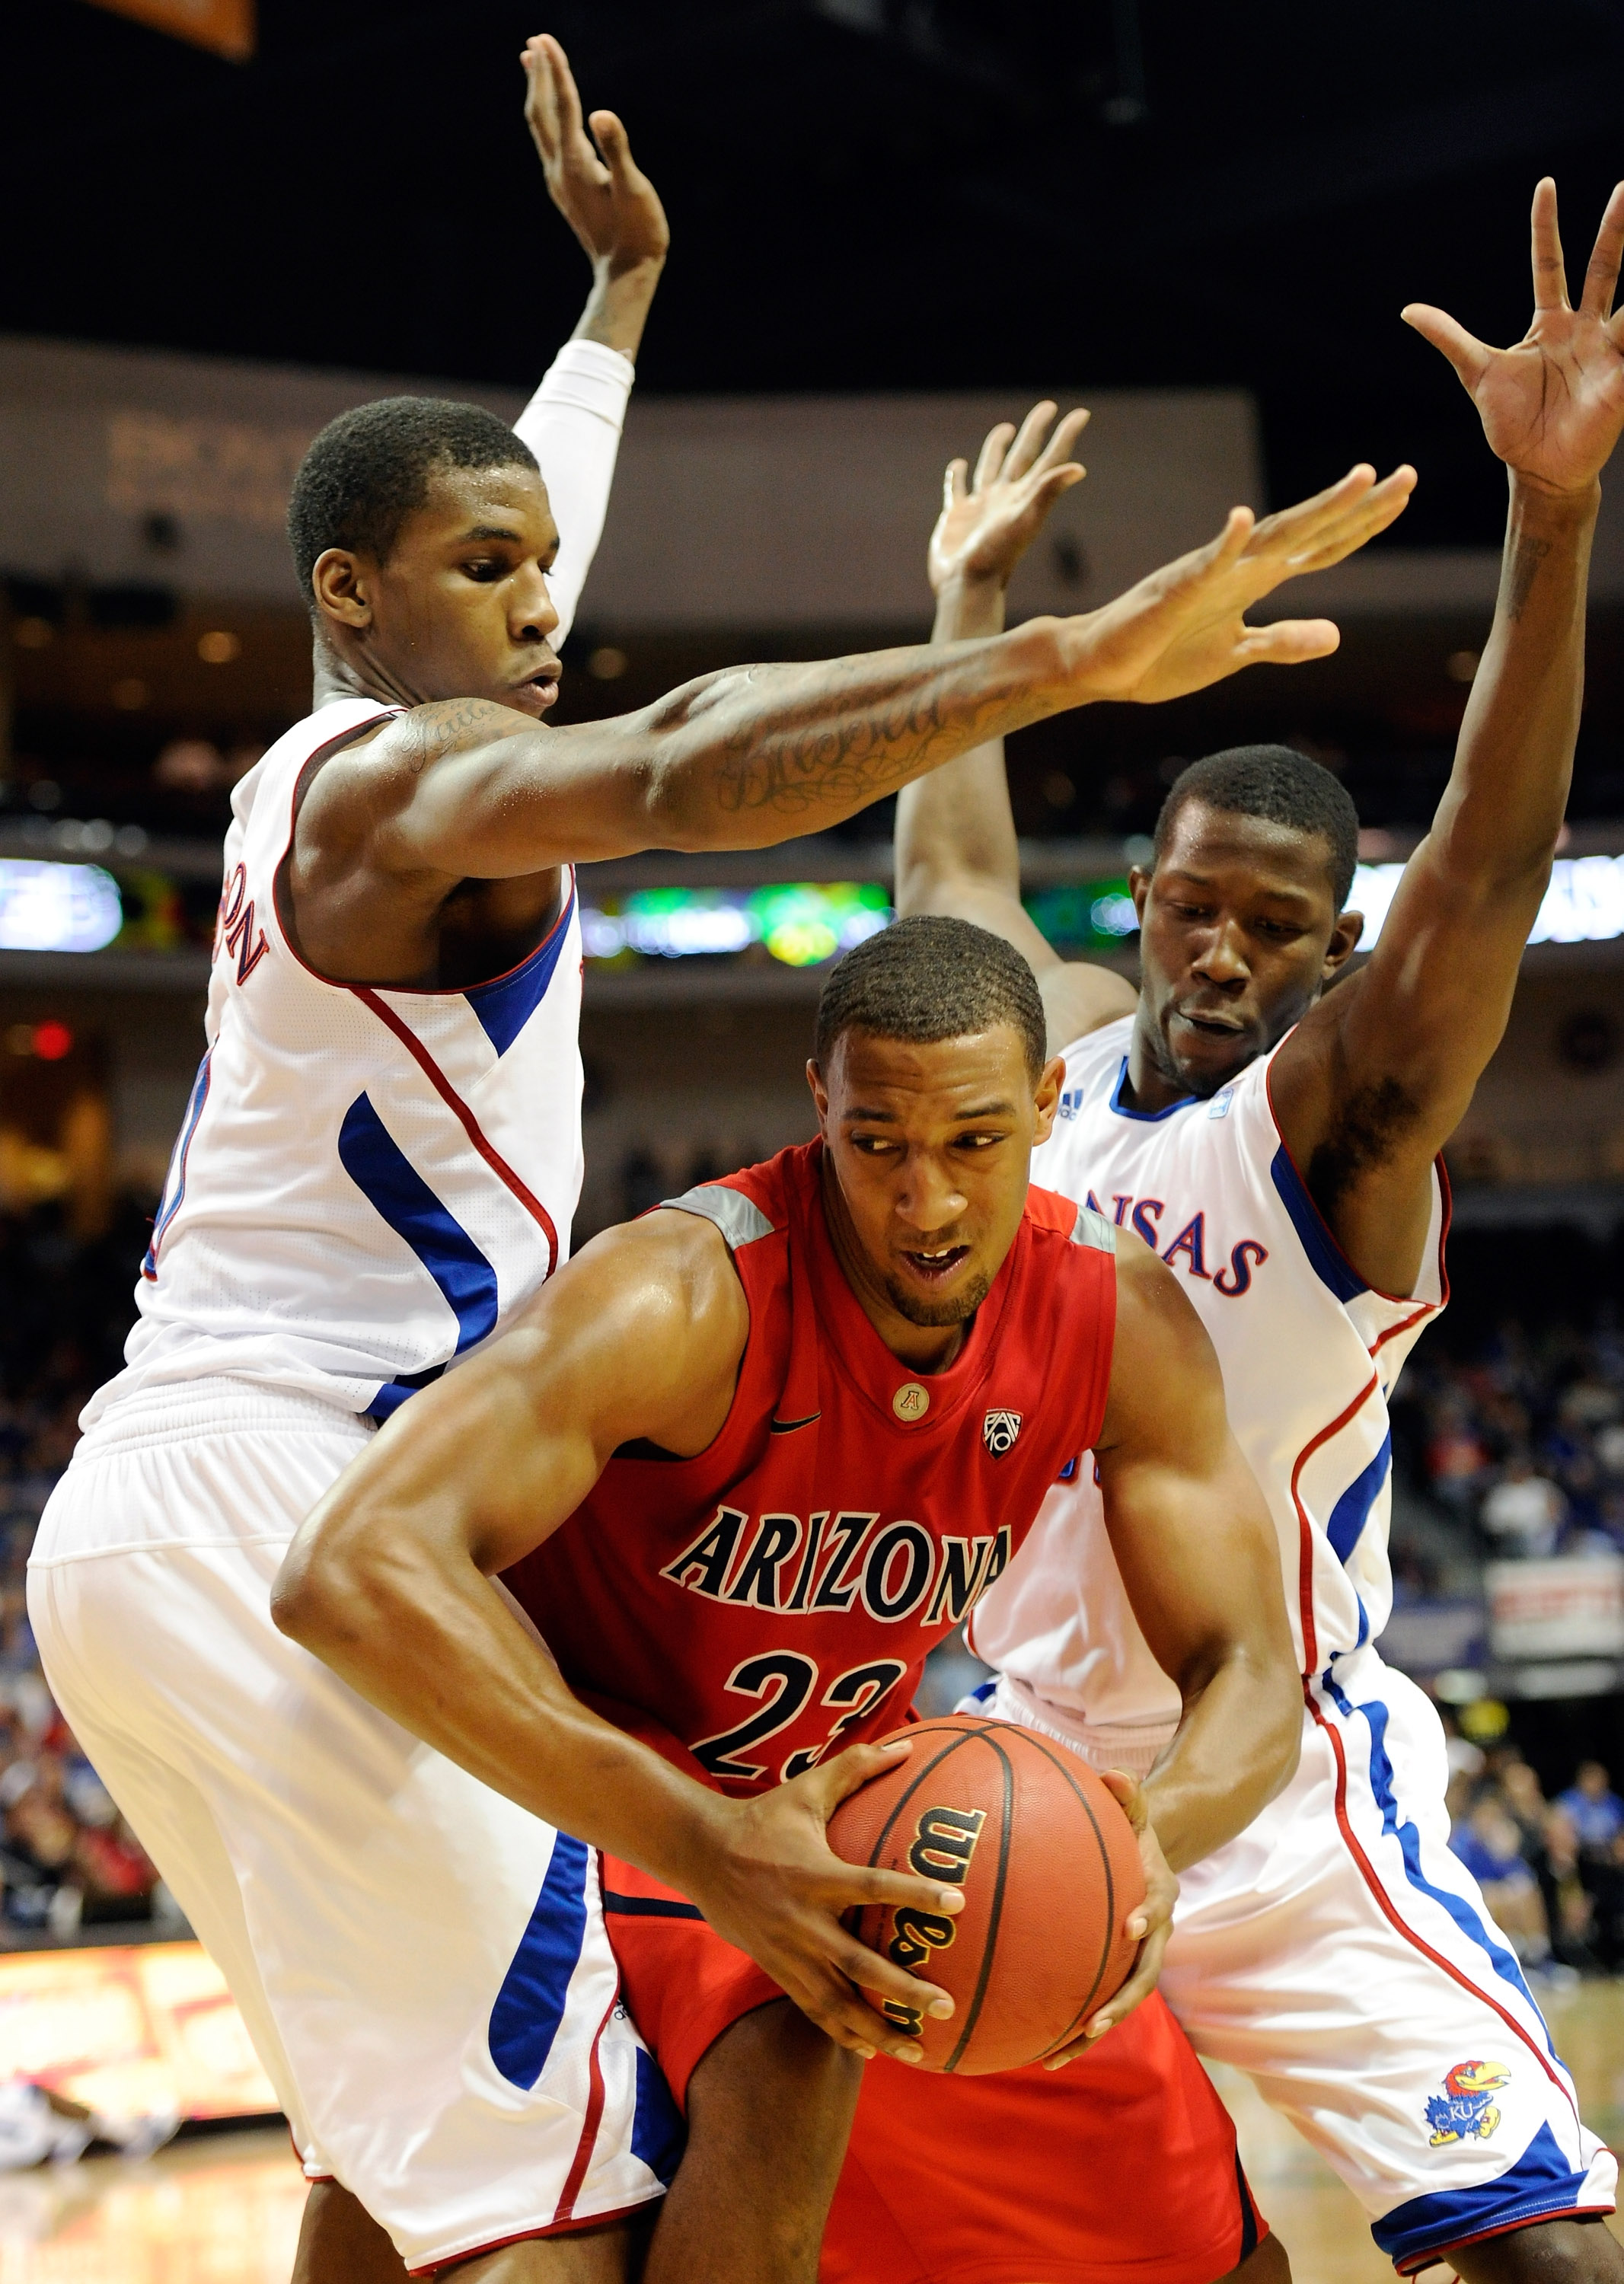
(922, 1348)
(338, 674)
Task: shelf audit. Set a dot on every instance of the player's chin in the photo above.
(1206, 1059)
(951, 1304)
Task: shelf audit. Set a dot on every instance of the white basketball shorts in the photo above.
(1343, 1958)
(422, 1966)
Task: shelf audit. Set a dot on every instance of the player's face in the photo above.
(461, 608)
(928, 1154)
(1238, 935)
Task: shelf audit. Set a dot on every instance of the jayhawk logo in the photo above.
(1463, 2110)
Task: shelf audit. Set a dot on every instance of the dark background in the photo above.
(864, 194)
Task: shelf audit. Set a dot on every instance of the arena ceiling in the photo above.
(864, 193)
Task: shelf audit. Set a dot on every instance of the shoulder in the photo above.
(1063, 1217)
(755, 1203)
(1096, 1046)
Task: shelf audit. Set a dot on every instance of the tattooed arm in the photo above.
(467, 789)
(1377, 1076)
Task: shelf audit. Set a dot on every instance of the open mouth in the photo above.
(936, 1267)
(1210, 1027)
(538, 690)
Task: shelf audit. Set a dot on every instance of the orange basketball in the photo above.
(1049, 1867)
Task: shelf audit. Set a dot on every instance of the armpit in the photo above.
(1372, 1125)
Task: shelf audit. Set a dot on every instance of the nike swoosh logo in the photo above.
(788, 1427)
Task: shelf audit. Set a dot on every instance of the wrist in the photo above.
(1534, 498)
(618, 306)
(969, 604)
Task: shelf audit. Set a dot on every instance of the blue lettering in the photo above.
(1146, 1213)
(1235, 1279)
(1190, 1242)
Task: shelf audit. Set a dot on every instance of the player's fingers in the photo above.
(1063, 443)
(989, 460)
(865, 1883)
(1129, 1794)
(1055, 481)
(953, 484)
(1288, 642)
(833, 1780)
(615, 143)
(1550, 276)
(1288, 526)
(1029, 439)
(570, 121)
(1601, 274)
(1464, 351)
(1319, 542)
(541, 96)
(869, 1970)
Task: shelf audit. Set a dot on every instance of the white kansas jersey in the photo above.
(1310, 1355)
(367, 1181)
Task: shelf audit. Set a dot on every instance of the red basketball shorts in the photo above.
(1121, 2165)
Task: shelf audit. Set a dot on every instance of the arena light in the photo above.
(45, 907)
(799, 923)
(1583, 905)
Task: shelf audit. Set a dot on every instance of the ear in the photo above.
(1344, 940)
(820, 1096)
(1046, 1099)
(1138, 887)
(342, 583)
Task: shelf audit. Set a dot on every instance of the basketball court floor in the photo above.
(224, 2208)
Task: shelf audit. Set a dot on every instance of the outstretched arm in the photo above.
(389, 1583)
(1198, 1553)
(956, 847)
(1377, 1076)
(753, 755)
(572, 423)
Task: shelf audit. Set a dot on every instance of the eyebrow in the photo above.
(492, 531)
(961, 1118)
(1285, 892)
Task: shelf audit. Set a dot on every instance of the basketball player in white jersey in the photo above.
(1277, 1142)
(379, 1164)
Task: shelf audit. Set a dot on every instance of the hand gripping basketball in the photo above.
(1066, 1893)
(770, 1883)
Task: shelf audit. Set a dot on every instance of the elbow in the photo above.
(306, 1600)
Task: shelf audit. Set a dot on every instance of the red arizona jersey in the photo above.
(775, 1596)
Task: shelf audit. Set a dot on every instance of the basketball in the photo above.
(1049, 1867)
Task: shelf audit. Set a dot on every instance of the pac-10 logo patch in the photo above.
(999, 1430)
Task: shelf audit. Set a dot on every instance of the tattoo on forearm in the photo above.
(1526, 558)
(817, 755)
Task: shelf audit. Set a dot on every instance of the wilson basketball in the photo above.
(1049, 1867)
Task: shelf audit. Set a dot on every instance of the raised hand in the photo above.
(610, 203)
(1551, 405)
(1184, 627)
(987, 525)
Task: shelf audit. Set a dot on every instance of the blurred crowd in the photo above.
(1551, 1869)
(1525, 1441)
(67, 1859)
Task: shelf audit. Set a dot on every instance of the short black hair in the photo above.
(928, 978)
(370, 469)
(1279, 784)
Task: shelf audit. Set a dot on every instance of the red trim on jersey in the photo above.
(589, 2123)
(322, 755)
(1417, 2261)
(1305, 1528)
(1372, 1880)
(526, 2235)
(459, 1109)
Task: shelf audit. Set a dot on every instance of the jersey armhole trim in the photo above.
(1320, 1241)
(738, 1217)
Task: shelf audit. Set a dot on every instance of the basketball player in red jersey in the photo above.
(767, 1419)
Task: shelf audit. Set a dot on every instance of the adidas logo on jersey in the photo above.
(999, 1430)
